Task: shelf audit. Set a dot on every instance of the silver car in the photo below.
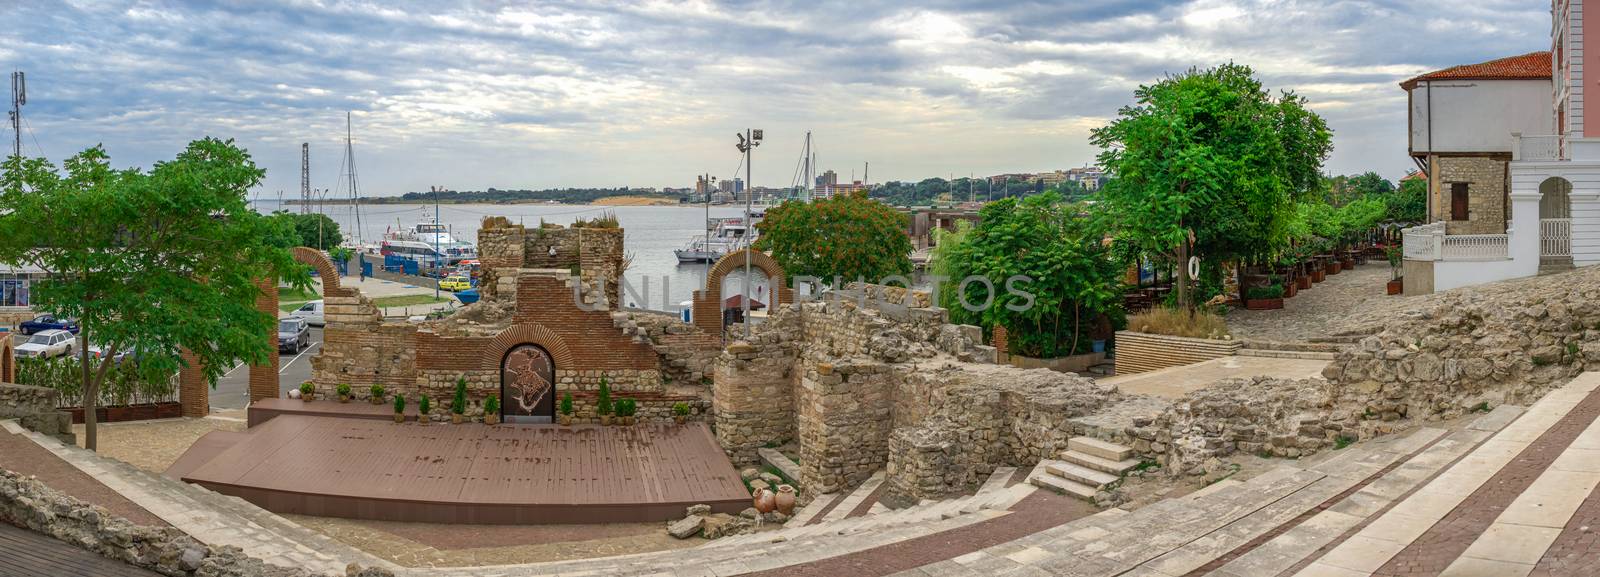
(47, 344)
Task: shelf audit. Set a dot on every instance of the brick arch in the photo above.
(495, 351)
(325, 270)
(708, 300)
(8, 360)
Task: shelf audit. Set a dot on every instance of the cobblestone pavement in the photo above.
(154, 445)
(1326, 308)
(435, 545)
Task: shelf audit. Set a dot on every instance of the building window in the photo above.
(1458, 201)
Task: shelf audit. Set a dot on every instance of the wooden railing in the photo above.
(1555, 237)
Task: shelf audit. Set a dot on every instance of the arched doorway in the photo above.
(1555, 221)
(528, 385)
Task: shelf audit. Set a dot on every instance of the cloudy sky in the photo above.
(650, 93)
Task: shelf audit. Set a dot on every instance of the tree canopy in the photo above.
(152, 263)
(847, 236)
(1073, 285)
(316, 230)
(1210, 164)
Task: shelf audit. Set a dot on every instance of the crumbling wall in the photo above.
(35, 409)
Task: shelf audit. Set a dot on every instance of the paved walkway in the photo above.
(1175, 382)
(1326, 308)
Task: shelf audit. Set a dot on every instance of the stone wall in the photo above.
(1487, 185)
(597, 253)
(753, 394)
(28, 503)
(35, 409)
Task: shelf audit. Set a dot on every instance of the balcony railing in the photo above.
(1423, 242)
(1535, 147)
(1474, 247)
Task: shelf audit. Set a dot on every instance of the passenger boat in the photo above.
(428, 243)
(726, 235)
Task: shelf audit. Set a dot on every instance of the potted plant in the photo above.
(1396, 256)
(680, 412)
(458, 404)
(625, 410)
(602, 403)
(307, 391)
(566, 410)
(399, 408)
(377, 394)
(491, 410)
(424, 415)
(1262, 298)
(344, 392)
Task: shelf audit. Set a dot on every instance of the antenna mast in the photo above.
(305, 178)
(19, 97)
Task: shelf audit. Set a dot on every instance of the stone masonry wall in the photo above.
(35, 409)
(754, 395)
(1486, 194)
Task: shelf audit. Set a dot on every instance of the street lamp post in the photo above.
(747, 144)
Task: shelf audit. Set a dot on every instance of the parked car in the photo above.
(455, 283)
(48, 322)
(98, 351)
(311, 312)
(46, 344)
(294, 335)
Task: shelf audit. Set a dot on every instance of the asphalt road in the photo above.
(233, 389)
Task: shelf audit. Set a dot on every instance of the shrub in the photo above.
(307, 389)
(1256, 293)
(458, 405)
(424, 406)
(377, 392)
(491, 405)
(680, 408)
(566, 404)
(1172, 322)
(626, 407)
(399, 404)
(343, 389)
(602, 403)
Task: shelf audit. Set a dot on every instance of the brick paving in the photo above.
(1576, 552)
(1038, 511)
(1437, 548)
(21, 455)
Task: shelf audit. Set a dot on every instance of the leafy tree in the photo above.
(1409, 203)
(1209, 164)
(1074, 281)
(316, 230)
(845, 237)
(152, 263)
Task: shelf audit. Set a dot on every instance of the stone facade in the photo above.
(35, 409)
(28, 503)
(1487, 187)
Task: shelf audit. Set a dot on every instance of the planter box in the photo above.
(1333, 267)
(1319, 275)
(1347, 264)
(1070, 364)
(1395, 286)
(123, 414)
(1289, 289)
(1303, 282)
(1142, 352)
(1263, 304)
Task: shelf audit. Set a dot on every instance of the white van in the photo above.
(311, 312)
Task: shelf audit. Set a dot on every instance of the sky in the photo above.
(650, 93)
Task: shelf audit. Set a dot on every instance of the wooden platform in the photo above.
(24, 553)
(265, 409)
(441, 473)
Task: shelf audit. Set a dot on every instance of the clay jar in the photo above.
(785, 499)
(765, 501)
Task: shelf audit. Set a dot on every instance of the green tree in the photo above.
(845, 237)
(1409, 203)
(316, 230)
(1071, 278)
(1209, 164)
(152, 263)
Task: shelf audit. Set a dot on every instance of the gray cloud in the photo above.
(485, 94)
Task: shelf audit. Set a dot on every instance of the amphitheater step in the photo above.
(1080, 474)
(856, 497)
(1062, 485)
(809, 512)
(1100, 463)
(1099, 448)
(998, 479)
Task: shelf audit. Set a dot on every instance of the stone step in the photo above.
(998, 479)
(1272, 354)
(1063, 486)
(1081, 474)
(856, 497)
(1100, 463)
(809, 512)
(1099, 448)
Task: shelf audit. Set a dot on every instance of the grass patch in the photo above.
(1172, 322)
(1343, 441)
(408, 300)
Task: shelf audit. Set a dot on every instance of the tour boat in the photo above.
(428, 242)
(727, 235)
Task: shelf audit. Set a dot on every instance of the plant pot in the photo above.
(377, 400)
(118, 414)
(491, 419)
(605, 420)
(680, 419)
(344, 398)
(1263, 304)
(785, 499)
(1097, 346)
(399, 417)
(566, 420)
(1289, 290)
(456, 418)
(1395, 286)
(1347, 264)
(169, 410)
(424, 419)
(1302, 282)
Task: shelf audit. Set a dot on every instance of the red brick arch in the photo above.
(537, 334)
(708, 301)
(330, 275)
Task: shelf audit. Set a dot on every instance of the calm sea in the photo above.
(652, 233)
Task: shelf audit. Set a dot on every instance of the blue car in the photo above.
(48, 322)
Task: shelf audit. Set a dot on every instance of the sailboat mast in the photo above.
(350, 157)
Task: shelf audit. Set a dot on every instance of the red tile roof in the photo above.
(1532, 65)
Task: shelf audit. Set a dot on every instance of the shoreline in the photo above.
(606, 201)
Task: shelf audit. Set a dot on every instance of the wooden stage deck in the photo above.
(442, 473)
(264, 410)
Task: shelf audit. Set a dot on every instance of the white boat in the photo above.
(428, 243)
(728, 235)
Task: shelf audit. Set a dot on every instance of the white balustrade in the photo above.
(1543, 147)
(1473, 247)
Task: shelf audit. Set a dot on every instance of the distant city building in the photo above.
(827, 179)
(830, 190)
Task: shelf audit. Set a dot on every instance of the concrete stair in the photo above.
(1087, 466)
(1276, 354)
